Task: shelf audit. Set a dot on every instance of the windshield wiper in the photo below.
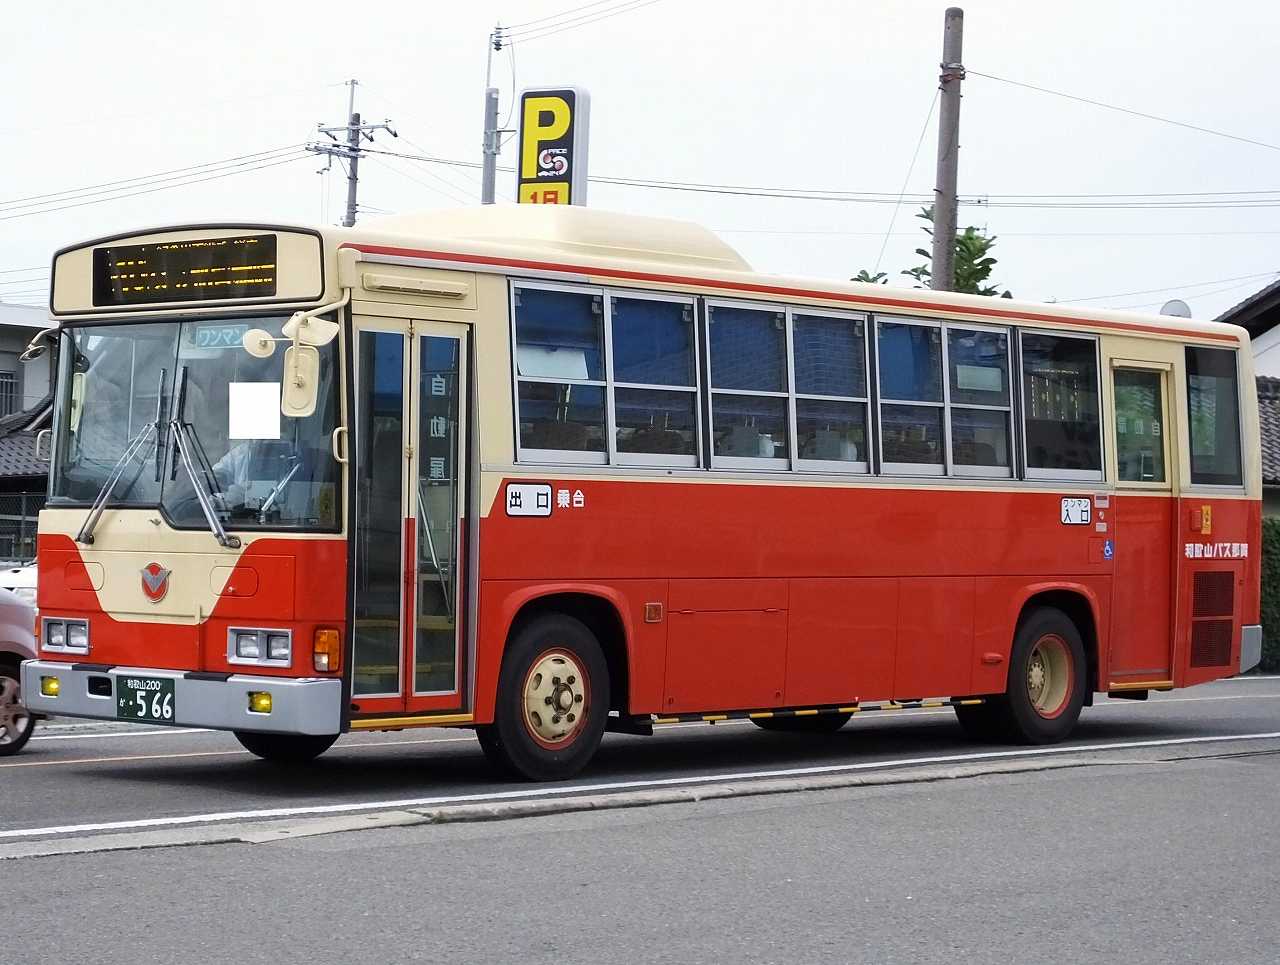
(279, 488)
(205, 498)
(104, 494)
(85, 535)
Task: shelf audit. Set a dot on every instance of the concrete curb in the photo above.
(270, 832)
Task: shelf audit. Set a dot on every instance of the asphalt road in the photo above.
(1157, 844)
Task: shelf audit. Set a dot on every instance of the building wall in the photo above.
(30, 380)
(1271, 500)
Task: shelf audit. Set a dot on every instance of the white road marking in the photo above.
(563, 791)
(158, 732)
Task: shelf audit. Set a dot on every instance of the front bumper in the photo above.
(306, 706)
(1250, 647)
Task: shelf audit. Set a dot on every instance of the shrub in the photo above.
(1270, 594)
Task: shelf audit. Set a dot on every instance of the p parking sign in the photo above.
(552, 165)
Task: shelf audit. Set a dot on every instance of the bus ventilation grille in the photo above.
(1213, 594)
(1212, 609)
(1210, 643)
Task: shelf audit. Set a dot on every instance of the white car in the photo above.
(17, 643)
(21, 580)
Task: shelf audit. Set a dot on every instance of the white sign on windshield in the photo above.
(253, 410)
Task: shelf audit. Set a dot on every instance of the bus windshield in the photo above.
(125, 392)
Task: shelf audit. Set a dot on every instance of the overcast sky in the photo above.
(799, 95)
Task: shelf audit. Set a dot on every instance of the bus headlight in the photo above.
(55, 633)
(247, 646)
(278, 646)
(78, 636)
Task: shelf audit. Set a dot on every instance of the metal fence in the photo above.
(18, 513)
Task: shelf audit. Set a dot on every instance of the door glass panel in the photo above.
(1139, 433)
(379, 481)
(439, 429)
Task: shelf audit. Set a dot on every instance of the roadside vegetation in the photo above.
(1270, 595)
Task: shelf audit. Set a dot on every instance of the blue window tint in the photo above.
(830, 356)
(831, 431)
(564, 416)
(655, 422)
(980, 437)
(652, 342)
(559, 335)
(979, 367)
(748, 349)
(910, 362)
(912, 434)
(750, 426)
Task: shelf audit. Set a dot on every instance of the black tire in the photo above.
(1024, 721)
(286, 748)
(16, 724)
(809, 724)
(510, 740)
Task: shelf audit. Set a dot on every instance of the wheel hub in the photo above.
(555, 698)
(13, 716)
(1049, 676)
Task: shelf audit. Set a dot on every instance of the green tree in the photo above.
(973, 262)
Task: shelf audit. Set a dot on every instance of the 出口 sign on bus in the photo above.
(552, 164)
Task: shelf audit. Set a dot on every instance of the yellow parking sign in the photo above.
(552, 165)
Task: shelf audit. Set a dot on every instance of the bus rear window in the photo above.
(1213, 403)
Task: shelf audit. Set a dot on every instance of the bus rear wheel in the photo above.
(553, 699)
(808, 724)
(285, 748)
(1046, 685)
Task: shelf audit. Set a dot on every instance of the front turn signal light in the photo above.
(50, 686)
(326, 651)
(260, 702)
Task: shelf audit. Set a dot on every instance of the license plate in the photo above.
(149, 700)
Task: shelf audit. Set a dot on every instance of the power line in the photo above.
(445, 191)
(1209, 294)
(1003, 234)
(924, 129)
(162, 187)
(1170, 288)
(33, 200)
(538, 33)
(1126, 110)
(11, 271)
(556, 16)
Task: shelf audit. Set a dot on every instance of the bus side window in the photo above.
(1213, 403)
(654, 383)
(1060, 405)
(911, 394)
(560, 370)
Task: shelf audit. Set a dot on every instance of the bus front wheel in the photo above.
(553, 698)
(285, 748)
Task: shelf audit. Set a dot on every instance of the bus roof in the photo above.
(631, 248)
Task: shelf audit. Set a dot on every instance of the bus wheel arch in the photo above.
(1054, 645)
(601, 611)
(1081, 608)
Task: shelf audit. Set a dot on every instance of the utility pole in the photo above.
(944, 195)
(349, 151)
(491, 144)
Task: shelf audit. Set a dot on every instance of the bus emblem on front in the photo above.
(155, 582)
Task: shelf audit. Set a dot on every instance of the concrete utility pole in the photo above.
(491, 145)
(944, 195)
(350, 151)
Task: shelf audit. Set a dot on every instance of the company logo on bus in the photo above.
(155, 582)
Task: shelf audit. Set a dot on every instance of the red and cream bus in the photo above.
(548, 471)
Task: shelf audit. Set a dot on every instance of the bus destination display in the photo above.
(197, 269)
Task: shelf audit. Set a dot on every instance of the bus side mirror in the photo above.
(259, 343)
(301, 381)
(305, 329)
(77, 400)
